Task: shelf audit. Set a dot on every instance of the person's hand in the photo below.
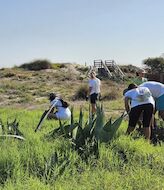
(86, 98)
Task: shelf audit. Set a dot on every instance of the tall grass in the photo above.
(38, 163)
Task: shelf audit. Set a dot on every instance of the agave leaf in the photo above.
(72, 127)
(12, 136)
(53, 133)
(106, 126)
(109, 130)
(89, 124)
(72, 116)
(79, 134)
(61, 126)
(74, 132)
(81, 118)
(88, 129)
(13, 129)
(115, 125)
(104, 136)
(99, 122)
(80, 139)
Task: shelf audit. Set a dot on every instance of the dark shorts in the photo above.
(146, 110)
(93, 98)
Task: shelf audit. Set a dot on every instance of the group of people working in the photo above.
(144, 99)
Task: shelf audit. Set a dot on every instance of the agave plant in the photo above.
(85, 137)
(11, 130)
(105, 132)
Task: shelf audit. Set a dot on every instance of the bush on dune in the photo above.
(37, 65)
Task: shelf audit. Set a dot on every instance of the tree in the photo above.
(155, 64)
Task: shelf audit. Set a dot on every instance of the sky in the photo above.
(80, 31)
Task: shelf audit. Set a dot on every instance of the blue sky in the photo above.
(80, 31)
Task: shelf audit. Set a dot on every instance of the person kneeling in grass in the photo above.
(138, 100)
(62, 110)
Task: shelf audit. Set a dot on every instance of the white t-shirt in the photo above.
(139, 96)
(94, 84)
(62, 113)
(156, 88)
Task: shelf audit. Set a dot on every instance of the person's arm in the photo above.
(88, 93)
(89, 90)
(52, 110)
(53, 104)
(127, 104)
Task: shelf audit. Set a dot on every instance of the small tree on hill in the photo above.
(155, 64)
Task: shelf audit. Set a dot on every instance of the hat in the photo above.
(142, 71)
(52, 96)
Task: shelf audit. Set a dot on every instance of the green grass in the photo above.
(39, 163)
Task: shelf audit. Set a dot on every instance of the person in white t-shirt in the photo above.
(157, 90)
(138, 100)
(62, 110)
(94, 90)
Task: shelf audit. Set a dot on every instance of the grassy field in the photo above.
(41, 163)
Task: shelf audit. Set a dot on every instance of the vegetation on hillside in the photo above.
(21, 87)
(37, 65)
(156, 65)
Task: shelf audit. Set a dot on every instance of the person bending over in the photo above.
(62, 111)
(157, 90)
(139, 100)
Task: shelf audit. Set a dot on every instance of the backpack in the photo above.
(64, 104)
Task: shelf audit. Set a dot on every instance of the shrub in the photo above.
(81, 93)
(57, 66)
(125, 70)
(37, 65)
(82, 69)
(9, 74)
(112, 95)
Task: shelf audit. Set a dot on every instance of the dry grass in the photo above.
(30, 89)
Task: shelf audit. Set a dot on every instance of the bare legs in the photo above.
(146, 130)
